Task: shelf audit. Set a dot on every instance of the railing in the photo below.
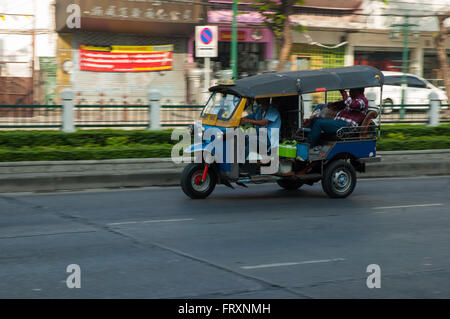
(30, 116)
(179, 115)
(96, 116)
(171, 116)
(111, 116)
(416, 113)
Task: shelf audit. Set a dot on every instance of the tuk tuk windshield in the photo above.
(221, 104)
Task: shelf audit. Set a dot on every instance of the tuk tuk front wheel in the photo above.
(290, 184)
(339, 179)
(193, 184)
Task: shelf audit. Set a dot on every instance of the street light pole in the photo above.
(234, 60)
(405, 29)
(404, 64)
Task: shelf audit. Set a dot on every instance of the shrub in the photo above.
(17, 139)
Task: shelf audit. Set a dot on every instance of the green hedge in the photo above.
(409, 131)
(414, 144)
(85, 154)
(18, 139)
(114, 144)
(413, 137)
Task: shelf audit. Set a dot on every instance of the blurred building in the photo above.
(27, 52)
(347, 32)
(123, 48)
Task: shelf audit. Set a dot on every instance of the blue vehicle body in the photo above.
(354, 150)
(358, 149)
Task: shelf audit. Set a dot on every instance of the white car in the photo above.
(417, 91)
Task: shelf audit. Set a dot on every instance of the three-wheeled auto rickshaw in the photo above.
(341, 155)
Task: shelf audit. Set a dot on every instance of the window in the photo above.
(393, 80)
(222, 105)
(303, 62)
(415, 82)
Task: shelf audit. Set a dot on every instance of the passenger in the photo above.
(321, 111)
(266, 116)
(352, 110)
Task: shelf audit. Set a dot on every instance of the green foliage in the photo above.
(397, 136)
(274, 13)
(152, 151)
(18, 139)
(410, 131)
(117, 141)
(413, 137)
(110, 144)
(414, 144)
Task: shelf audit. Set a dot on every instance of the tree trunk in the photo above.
(286, 38)
(442, 53)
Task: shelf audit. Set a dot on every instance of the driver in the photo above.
(267, 116)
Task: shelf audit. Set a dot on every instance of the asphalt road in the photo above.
(260, 242)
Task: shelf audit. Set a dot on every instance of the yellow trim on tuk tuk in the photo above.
(275, 95)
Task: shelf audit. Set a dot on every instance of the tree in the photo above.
(276, 15)
(439, 41)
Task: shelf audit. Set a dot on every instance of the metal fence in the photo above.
(180, 115)
(413, 114)
(30, 116)
(96, 116)
(171, 116)
(111, 116)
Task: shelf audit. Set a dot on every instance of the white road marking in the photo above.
(294, 263)
(366, 179)
(151, 221)
(408, 206)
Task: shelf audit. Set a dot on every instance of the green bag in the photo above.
(288, 149)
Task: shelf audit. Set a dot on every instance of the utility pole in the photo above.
(405, 29)
(234, 58)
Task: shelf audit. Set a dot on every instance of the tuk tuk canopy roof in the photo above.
(309, 81)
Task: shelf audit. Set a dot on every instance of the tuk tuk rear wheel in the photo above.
(192, 184)
(290, 184)
(339, 179)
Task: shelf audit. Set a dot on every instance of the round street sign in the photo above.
(206, 36)
(206, 41)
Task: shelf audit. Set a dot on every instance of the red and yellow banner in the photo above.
(226, 35)
(118, 58)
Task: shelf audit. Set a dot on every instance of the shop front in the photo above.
(255, 42)
(255, 48)
(384, 59)
(125, 48)
(431, 68)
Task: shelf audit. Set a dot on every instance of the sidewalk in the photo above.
(79, 175)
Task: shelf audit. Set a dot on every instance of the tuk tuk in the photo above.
(341, 156)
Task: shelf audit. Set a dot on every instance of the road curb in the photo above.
(79, 175)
